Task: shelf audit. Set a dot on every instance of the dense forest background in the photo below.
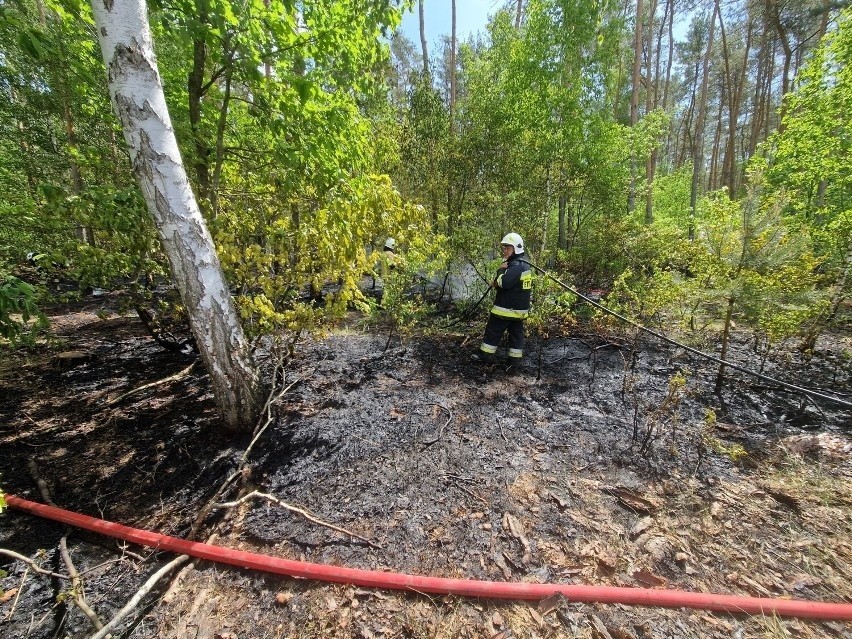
(698, 180)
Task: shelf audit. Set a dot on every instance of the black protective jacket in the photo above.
(514, 285)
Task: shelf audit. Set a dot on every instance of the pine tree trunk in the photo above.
(634, 100)
(650, 105)
(698, 142)
(453, 46)
(137, 95)
(423, 46)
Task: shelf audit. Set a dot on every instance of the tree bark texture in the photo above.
(137, 95)
(423, 46)
(698, 142)
(634, 100)
(653, 76)
(453, 46)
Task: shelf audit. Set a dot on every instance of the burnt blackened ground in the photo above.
(593, 464)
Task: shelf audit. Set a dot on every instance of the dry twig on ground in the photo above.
(179, 375)
(78, 595)
(440, 430)
(32, 564)
(304, 513)
(135, 599)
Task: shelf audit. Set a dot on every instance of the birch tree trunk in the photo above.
(136, 92)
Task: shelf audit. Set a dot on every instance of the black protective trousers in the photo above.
(494, 330)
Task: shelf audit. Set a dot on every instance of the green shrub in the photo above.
(17, 309)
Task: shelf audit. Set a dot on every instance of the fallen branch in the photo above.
(78, 595)
(440, 430)
(304, 513)
(32, 564)
(77, 585)
(135, 599)
(179, 375)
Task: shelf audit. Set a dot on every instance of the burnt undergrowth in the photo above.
(593, 463)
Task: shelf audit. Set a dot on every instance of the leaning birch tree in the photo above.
(136, 91)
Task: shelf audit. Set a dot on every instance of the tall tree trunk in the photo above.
(713, 181)
(774, 13)
(823, 23)
(634, 99)
(698, 142)
(453, 46)
(650, 105)
(84, 233)
(195, 94)
(423, 47)
(519, 12)
(729, 166)
(562, 239)
(667, 82)
(220, 133)
(137, 95)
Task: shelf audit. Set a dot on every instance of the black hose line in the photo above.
(793, 387)
(468, 314)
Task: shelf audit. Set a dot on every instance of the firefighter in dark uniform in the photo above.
(511, 303)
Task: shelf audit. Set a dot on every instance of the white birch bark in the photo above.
(137, 95)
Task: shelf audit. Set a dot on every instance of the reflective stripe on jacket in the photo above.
(514, 285)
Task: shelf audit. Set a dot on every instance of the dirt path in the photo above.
(590, 468)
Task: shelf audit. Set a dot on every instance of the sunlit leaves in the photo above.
(273, 254)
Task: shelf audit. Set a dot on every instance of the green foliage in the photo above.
(419, 260)
(761, 260)
(17, 309)
(671, 200)
(2, 507)
(747, 252)
(810, 157)
(269, 255)
(734, 452)
(553, 310)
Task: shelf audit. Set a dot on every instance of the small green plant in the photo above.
(17, 308)
(2, 500)
(734, 452)
(663, 419)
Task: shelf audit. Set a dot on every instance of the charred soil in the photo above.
(594, 463)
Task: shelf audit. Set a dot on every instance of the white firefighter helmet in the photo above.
(390, 244)
(515, 241)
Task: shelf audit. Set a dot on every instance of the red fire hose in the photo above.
(437, 585)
